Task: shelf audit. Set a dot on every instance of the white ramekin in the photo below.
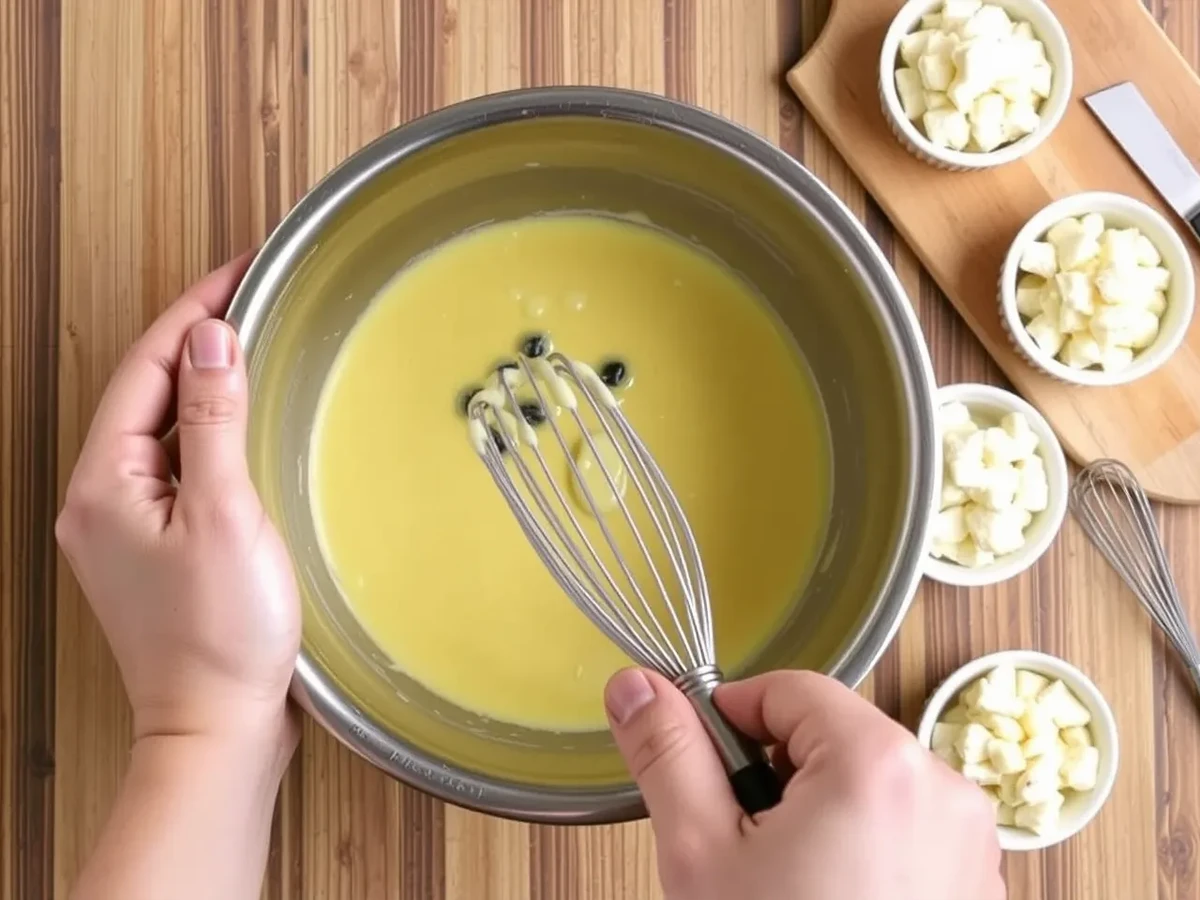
(1123, 212)
(991, 403)
(1058, 51)
(1080, 808)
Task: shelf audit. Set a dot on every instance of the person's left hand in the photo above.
(191, 583)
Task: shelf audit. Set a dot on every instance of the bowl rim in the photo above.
(1016, 839)
(1057, 476)
(1058, 48)
(318, 692)
(1181, 294)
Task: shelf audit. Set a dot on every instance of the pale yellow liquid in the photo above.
(421, 541)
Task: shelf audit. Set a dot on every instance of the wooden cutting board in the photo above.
(961, 223)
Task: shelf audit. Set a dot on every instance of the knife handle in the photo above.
(1194, 221)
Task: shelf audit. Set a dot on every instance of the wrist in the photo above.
(257, 751)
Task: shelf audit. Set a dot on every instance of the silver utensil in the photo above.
(1116, 514)
(1126, 115)
(662, 619)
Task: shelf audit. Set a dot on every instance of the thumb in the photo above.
(673, 760)
(212, 413)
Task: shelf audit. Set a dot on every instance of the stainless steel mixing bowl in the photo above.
(694, 174)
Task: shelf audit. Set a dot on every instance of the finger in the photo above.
(802, 710)
(170, 445)
(138, 397)
(673, 760)
(211, 415)
(782, 763)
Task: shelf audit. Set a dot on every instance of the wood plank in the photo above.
(29, 241)
(961, 224)
(186, 131)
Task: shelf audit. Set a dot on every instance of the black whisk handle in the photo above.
(755, 782)
(757, 787)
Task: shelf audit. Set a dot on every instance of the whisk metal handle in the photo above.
(754, 781)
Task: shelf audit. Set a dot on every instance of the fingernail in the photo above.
(209, 346)
(627, 692)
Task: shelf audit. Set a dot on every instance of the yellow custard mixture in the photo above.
(422, 543)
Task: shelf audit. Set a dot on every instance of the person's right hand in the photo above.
(867, 813)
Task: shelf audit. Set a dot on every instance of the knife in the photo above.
(1126, 115)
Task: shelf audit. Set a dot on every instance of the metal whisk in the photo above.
(661, 620)
(1115, 513)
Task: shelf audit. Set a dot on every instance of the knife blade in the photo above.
(1126, 115)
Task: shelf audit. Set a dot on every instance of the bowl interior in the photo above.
(332, 263)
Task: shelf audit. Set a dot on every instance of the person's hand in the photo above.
(867, 813)
(190, 582)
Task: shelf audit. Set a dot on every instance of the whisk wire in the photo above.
(657, 649)
(671, 544)
(701, 605)
(694, 590)
(676, 641)
(1116, 515)
(674, 637)
(656, 634)
(609, 617)
(647, 557)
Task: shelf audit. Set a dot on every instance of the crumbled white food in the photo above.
(1040, 744)
(983, 774)
(1018, 429)
(945, 734)
(1039, 781)
(993, 481)
(971, 57)
(1076, 249)
(1076, 736)
(911, 91)
(1041, 79)
(1039, 258)
(1082, 351)
(936, 100)
(912, 46)
(1030, 684)
(1007, 790)
(1039, 818)
(1005, 728)
(988, 127)
(1063, 706)
(1046, 333)
(1091, 296)
(1147, 253)
(1030, 289)
(1080, 768)
(1033, 490)
(1029, 758)
(947, 127)
(937, 71)
(956, 13)
(972, 742)
(993, 694)
(1005, 756)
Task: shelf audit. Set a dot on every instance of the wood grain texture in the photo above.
(29, 278)
(962, 224)
(143, 142)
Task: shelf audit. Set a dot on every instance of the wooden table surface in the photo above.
(143, 142)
